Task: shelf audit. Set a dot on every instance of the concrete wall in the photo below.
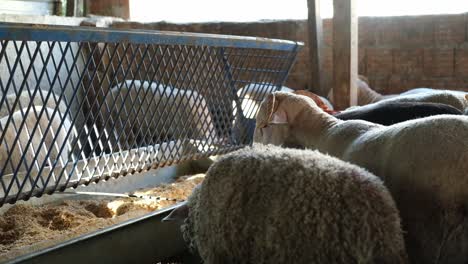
(396, 53)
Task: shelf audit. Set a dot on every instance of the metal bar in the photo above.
(35, 32)
(185, 113)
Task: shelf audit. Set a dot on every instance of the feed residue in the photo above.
(26, 228)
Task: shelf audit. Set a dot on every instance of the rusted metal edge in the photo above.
(32, 32)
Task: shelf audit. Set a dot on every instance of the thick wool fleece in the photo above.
(270, 205)
(455, 99)
(424, 164)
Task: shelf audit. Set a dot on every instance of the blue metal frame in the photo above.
(213, 66)
(31, 32)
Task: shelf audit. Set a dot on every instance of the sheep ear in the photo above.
(178, 214)
(311, 95)
(466, 96)
(279, 117)
(271, 105)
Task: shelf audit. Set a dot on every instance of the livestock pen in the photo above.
(81, 106)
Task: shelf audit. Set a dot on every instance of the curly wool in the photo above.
(422, 161)
(271, 205)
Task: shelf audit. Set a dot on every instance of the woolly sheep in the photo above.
(251, 97)
(365, 94)
(24, 99)
(452, 98)
(54, 139)
(165, 113)
(457, 99)
(423, 163)
(271, 205)
(389, 113)
(386, 113)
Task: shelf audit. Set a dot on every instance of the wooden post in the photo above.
(316, 53)
(58, 8)
(345, 53)
(75, 8)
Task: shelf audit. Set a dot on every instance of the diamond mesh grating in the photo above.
(81, 105)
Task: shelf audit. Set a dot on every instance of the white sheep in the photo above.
(365, 94)
(457, 99)
(271, 205)
(423, 163)
(53, 139)
(252, 94)
(154, 112)
(250, 97)
(24, 100)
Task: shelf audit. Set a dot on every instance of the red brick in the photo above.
(417, 31)
(394, 85)
(362, 69)
(408, 62)
(378, 84)
(461, 62)
(410, 83)
(449, 29)
(367, 31)
(438, 62)
(328, 59)
(466, 26)
(387, 31)
(327, 25)
(455, 84)
(379, 61)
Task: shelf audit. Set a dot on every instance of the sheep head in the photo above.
(278, 116)
(320, 103)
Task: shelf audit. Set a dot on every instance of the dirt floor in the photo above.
(26, 228)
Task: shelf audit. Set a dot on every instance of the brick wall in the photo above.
(399, 53)
(396, 53)
(113, 8)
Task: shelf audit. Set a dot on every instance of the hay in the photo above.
(26, 228)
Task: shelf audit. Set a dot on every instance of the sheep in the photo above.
(430, 90)
(423, 163)
(365, 94)
(386, 113)
(251, 97)
(452, 98)
(24, 99)
(54, 139)
(389, 113)
(165, 113)
(264, 204)
(457, 99)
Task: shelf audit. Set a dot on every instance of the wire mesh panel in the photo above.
(78, 105)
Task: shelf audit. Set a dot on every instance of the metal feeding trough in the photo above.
(81, 105)
(129, 242)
